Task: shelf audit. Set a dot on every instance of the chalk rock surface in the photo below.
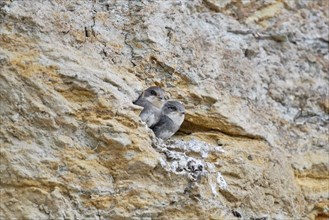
(253, 76)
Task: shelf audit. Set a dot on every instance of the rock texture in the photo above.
(254, 79)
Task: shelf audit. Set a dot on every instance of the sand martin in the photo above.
(172, 117)
(152, 99)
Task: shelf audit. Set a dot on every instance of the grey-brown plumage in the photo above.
(152, 99)
(172, 117)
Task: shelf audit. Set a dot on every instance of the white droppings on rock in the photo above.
(221, 181)
(213, 186)
(14, 117)
(211, 167)
(196, 146)
(193, 167)
(162, 162)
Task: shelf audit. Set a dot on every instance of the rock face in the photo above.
(253, 76)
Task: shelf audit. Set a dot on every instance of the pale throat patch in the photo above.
(155, 101)
(176, 117)
(150, 120)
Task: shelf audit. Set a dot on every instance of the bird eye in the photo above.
(173, 108)
(153, 93)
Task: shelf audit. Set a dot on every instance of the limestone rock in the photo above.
(253, 76)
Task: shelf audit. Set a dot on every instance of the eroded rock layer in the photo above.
(253, 76)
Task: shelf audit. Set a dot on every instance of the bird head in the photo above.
(155, 95)
(174, 108)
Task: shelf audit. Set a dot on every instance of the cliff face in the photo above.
(253, 76)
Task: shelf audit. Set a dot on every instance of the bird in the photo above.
(152, 99)
(172, 117)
